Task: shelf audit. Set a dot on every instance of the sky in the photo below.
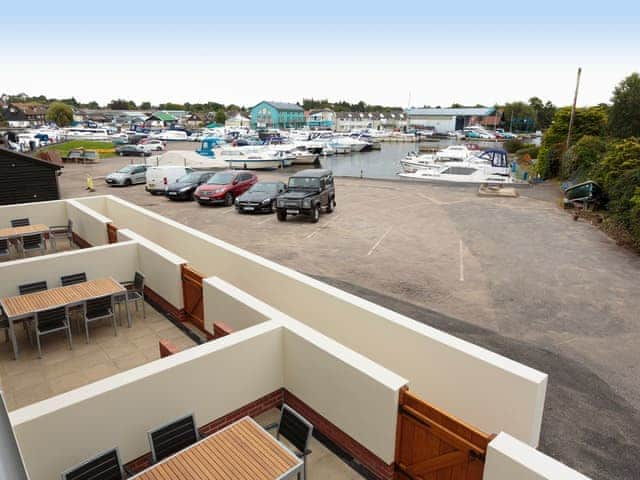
(391, 53)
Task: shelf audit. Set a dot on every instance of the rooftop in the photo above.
(284, 106)
(463, 112)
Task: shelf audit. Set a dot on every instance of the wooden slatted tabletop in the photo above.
(242, 451)
(21, 305)
(12, 232)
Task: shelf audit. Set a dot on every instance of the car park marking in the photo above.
(375, 245)
(264, 221)
(312, 234)
(228, 211)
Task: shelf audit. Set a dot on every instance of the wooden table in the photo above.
(22, 306)
(16, 232)
(241, 451)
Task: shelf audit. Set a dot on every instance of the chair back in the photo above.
(4, 245)
(173, 437)
(73, 278)
(104, 466)
(32, 241)
(294, 428)
(99, 307)
(138, 281)
(51, 319)
(32, 287)
(20, 222)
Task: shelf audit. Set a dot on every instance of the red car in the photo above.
(224, 187)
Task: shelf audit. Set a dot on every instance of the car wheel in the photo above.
(122, 154)
(331, 205)
(127, 182)
(315, 214)
(271, 207)
(282, 215)
(228, 199)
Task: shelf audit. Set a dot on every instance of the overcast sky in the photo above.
(380, 52)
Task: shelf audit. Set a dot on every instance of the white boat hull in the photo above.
(258, 164)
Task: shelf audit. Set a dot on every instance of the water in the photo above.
(380, 164)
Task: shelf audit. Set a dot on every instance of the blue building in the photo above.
(277, 115)
(324, 119)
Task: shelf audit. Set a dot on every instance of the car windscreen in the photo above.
(127, 169)
(220, 179)
(189, 178)
(304, 182)
(264, 187)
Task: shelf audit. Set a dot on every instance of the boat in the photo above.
(341, 145)
(82, 133)
(171, 135)
(454, 152)
(489, 167)
(254, 158)
(586, 193)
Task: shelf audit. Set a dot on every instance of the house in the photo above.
(160, 119)
(444, 120)
(24, 178)
(193, 120)
(324, 119)
(237, 120)
(347, 121)
(277, 115)
(24, 115)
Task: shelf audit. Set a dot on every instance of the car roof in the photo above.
(312, 172)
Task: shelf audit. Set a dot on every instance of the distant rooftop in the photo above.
(284, 106)
(462, 112)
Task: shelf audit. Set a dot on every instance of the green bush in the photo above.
(582, 159)
(512, 145)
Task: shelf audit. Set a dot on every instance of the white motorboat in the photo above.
(453, 153)
(414, 161)
(81, 133)
(254, 158)
(171, 135)
(341, 145)
(491, 166)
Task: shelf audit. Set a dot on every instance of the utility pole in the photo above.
(573, 108)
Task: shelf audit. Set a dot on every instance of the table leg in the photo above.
(126, 304)
(14, 341)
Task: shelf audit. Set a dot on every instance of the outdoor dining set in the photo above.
(23, 238)
(43, 310)
(243, 450)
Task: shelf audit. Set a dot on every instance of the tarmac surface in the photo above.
(515, 275)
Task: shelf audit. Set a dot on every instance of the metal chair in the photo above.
(4, 247)
(4, 325)
(61, 232)
(51, 321)
(172, 437)
(104, 466)
(20, 222)
(297, 430)
(73, 278)
(99, 309)
(135, 292)
(32, 242)
(32, 287)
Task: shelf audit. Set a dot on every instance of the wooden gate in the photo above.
(434, 445)
(112, 233)
(192, 294)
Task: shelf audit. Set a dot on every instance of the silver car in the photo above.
(129, 175)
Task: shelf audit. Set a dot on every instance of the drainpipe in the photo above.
(11, 464)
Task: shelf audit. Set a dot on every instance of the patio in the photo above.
(30, 379)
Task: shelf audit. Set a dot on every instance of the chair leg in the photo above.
(144, 314)
(115, 330)
(39, 348)
(69, 336)
(86, 329)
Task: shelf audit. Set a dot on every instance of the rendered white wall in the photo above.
(220, 306)
(210, 381)
(511, 459)
(46, 213)
(87, 223)
(160, 267)
(119, 261)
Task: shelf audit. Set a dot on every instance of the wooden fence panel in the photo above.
(193, 297)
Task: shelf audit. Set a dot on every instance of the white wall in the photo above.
(46, 213)
(220, 306)
(210, 381)
(160, 267)
(87, 223)
(509, 459)
(97, 203)
(443, 369)
(119, 261)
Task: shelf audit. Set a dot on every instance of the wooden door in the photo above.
(112, 233)
(193, 298)
(434, 445)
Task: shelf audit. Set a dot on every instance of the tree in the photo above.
(624, 114)
(519, 116)
(92, 105)
(220, 117)
(121, 104)
(543, 112)
(60, 113)
(145, 106)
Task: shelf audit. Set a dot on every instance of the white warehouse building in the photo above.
(443, 120)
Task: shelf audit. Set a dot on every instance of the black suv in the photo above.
(308, 192)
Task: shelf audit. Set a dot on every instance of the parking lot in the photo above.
(516, 275)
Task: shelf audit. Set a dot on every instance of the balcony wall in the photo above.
(46, 213)
(119, 261)
(87, 223)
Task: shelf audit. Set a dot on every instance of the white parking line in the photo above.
(379, 240)
(264, 221)
(461, 262)
(312, 234)
(228, 211)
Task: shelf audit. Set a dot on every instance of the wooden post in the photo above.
(573, 109)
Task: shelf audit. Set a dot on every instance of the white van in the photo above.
(159, 177)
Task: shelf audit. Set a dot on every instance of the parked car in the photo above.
(129, 175)
(152, 145)
(224, 187)
(183, 187)
(261, 197)
(500, 133)
(159, 178)
(132, 150)
(308, 192)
